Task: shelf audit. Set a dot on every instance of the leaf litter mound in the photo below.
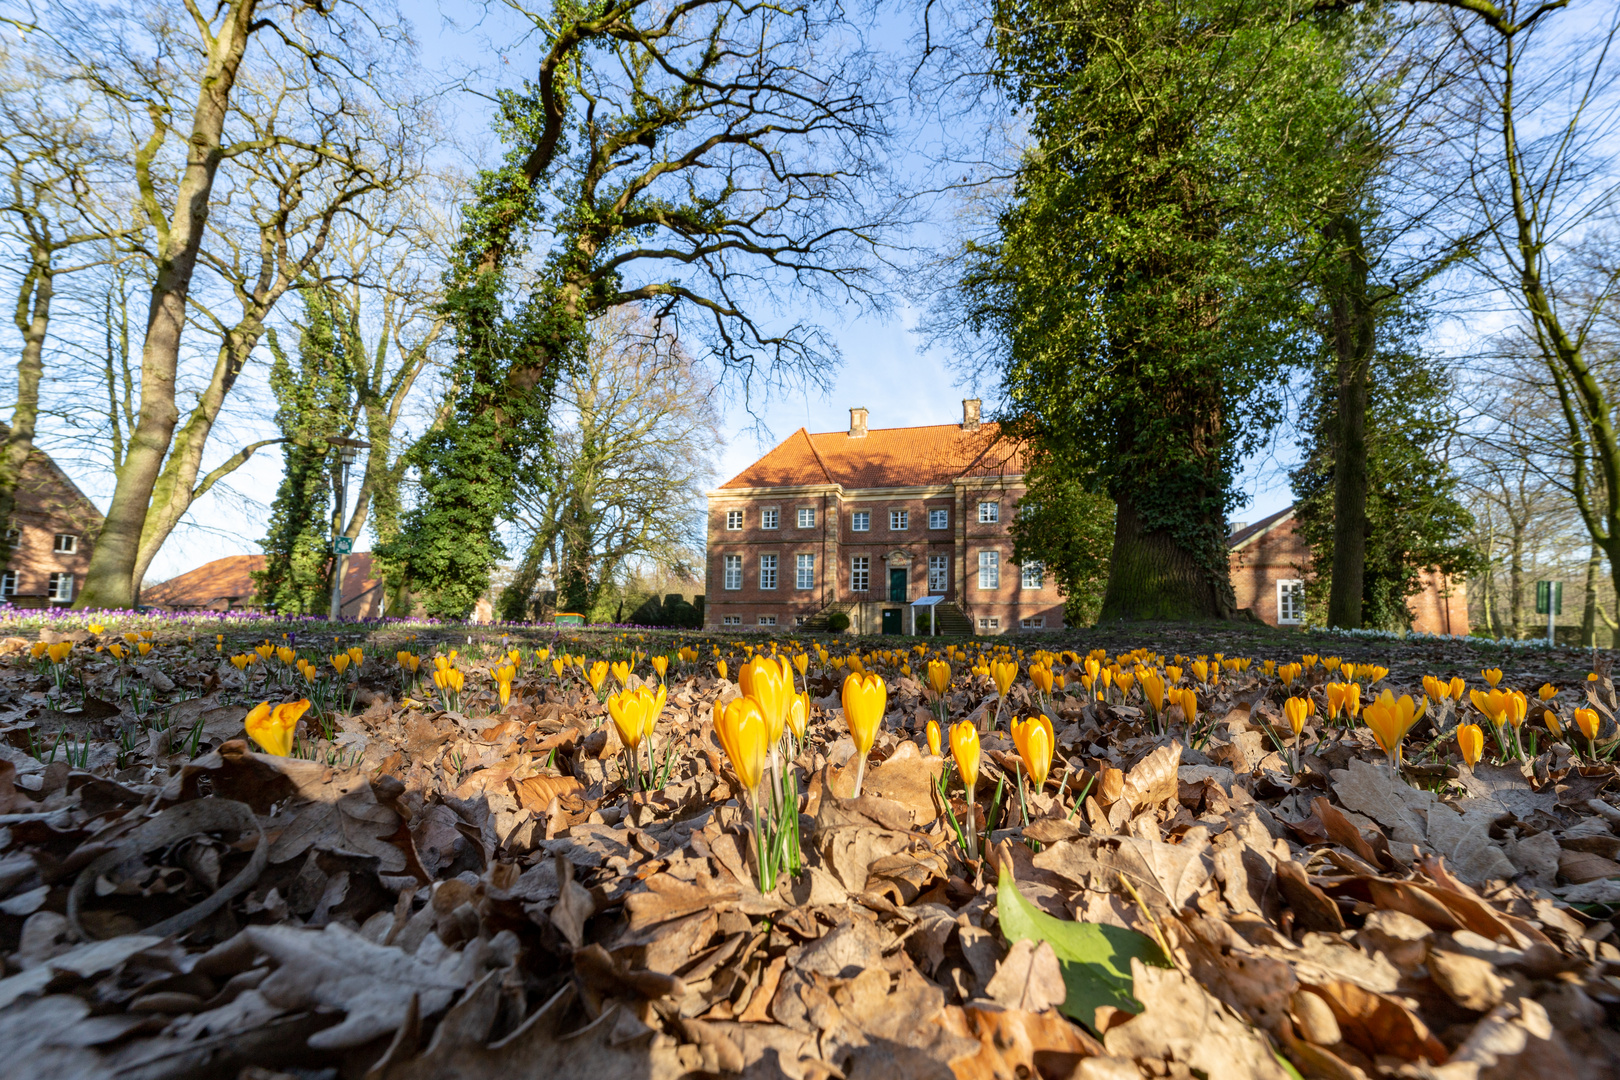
(477, 893)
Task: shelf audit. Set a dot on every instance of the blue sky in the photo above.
(887, 367)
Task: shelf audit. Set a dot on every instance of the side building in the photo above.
(51, 534)
(868, 522)
(1270, 562)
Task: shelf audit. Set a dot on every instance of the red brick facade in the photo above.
(874, 519)
(52, 529)
(1269, 564)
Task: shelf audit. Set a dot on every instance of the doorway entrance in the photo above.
(897, 586)
(892, 623)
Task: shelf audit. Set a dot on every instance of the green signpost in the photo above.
(1550, 602)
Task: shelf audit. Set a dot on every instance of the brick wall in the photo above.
(48, 506)
(898, 536)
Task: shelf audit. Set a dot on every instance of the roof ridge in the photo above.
(825, 472)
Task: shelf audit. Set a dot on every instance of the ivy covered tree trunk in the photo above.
(1353, 320)
(1153, 575)
(313, 392)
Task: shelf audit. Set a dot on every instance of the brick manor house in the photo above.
(871, 521)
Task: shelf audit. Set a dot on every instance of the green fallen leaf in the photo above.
(1095, 958)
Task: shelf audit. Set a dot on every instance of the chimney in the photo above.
(857, 423)
(970, 414)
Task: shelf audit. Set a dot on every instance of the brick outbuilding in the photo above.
(52, 530)
(871, 520)
(1270, 560)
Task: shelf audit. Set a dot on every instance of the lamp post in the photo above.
(348, 452)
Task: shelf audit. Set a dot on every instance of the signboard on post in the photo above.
(343, 545)
(1550, 602)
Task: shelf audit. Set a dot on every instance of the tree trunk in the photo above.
(1353, 323)
(1151, 576)
(1516, 584)
(112, 578)
(33, 318)
(1594, 564)
(176, 487)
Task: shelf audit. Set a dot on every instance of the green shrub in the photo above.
(838, 622)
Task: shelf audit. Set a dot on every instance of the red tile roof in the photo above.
(884, 457)
(1241, 537)
(228, 583)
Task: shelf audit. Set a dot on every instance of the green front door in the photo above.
(892, 621)
(897, 586)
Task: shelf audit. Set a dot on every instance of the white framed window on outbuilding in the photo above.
(1290, 602)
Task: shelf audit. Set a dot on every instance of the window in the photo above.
(1032, 575)
(8, 585)
(804, 572)
(989, 624)
(768, 519)
(939, 573)
(899, 520)
(767, 571)
(13, 535)
(66, 544)
(1037, 623)
(1290, 602)
(60, 588)
(733, 576)
(939, 519)
(733, 520)
(989, 569)
(767, 620)
(860, 573)
(800, 620)
(807, 517)
(860, 521)
(731, 620)
(989, 513)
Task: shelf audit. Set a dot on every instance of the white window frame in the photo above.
(767, 571)
(807, 517)
(734, 520)
(54, 591)
(804, 572)
(899, 520)
(731, 572)
(990, 624)
(939, 573)
(1291, 600)
(13, 534)
(71, 547)
(731, 620)
(989, 570)
(1034, 622)
(989, 513)
(767, 620)
(939, 519)
(1032, 575)
(860, 521)
(800, 620)
(8, 585)
(770, 518)
(860, 573)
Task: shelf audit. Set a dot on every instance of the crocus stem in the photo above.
(760, 850)
(972, 829)
(860, 775)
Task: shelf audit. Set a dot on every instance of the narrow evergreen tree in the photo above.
(313, 401)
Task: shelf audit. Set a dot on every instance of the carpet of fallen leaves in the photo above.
(426, 892)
